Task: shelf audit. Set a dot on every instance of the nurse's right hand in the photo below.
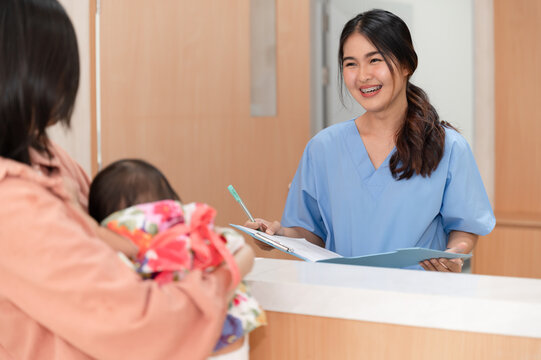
(271, 228)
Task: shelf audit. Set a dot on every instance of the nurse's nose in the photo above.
(364, 74)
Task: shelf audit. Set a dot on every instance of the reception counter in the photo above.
(329, 311)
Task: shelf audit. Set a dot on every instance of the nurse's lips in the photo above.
(370, 90)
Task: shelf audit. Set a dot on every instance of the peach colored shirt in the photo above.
(64, 294)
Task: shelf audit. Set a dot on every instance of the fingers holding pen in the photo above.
(274, 228)
(271, 228)
(258, 224)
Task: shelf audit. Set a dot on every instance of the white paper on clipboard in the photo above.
(298, 247)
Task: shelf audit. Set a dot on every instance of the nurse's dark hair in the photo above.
(420, 142)
(39, 74)
(125, 183)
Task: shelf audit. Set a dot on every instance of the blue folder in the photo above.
(307, 251)
(396, 259)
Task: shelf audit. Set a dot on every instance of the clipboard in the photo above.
(307, 251)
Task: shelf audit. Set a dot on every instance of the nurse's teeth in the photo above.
(372, 89)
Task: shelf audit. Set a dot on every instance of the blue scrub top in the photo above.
(357, 210)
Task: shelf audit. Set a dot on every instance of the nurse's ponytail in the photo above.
(420, 142)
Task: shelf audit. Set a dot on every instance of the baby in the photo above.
(134, 199)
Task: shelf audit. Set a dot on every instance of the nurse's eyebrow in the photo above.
(348, 58)
(372, 53)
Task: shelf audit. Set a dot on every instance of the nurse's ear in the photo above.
(405, 72)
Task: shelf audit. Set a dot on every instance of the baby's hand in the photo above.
(117, 242)
(245, 260)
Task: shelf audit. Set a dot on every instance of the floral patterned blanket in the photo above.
(174, 239)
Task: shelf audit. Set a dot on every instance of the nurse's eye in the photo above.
(375, 60)
(349, 64)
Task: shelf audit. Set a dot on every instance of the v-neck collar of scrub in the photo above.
(374, 178)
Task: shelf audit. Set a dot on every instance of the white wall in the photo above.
(484, 93)
(77, 140)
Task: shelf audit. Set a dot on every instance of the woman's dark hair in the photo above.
(39, 74)
(125, 183)
(420, 142)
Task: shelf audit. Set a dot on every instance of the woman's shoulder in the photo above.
(336, 130)
(452, 136)
(29, 195)
(333, 134)
(69, 165)
(17, 178)
(68, 168)
(454, 141)
(457, 149)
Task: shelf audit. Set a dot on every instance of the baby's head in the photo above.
(125, 183)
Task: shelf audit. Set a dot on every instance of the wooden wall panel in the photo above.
(509, 251)
(512, 247)
(517, 44)
(292, 337)
(176, 92)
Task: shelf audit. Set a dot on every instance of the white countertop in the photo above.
(463, 302)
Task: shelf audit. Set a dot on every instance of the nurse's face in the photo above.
(369, 79)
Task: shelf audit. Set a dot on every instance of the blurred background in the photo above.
(229, 92)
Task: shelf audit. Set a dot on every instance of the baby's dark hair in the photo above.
(125, 183)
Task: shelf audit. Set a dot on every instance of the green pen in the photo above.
(258, 236)
(239, 200)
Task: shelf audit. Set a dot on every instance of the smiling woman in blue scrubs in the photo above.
(396, 176)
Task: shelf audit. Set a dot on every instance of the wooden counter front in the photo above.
(329, 311)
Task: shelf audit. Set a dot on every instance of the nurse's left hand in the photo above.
(443, 264)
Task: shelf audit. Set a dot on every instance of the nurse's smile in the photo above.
(370, 90)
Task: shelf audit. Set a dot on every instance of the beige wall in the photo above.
(175, 91)
(516, 132)
(77, 140)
